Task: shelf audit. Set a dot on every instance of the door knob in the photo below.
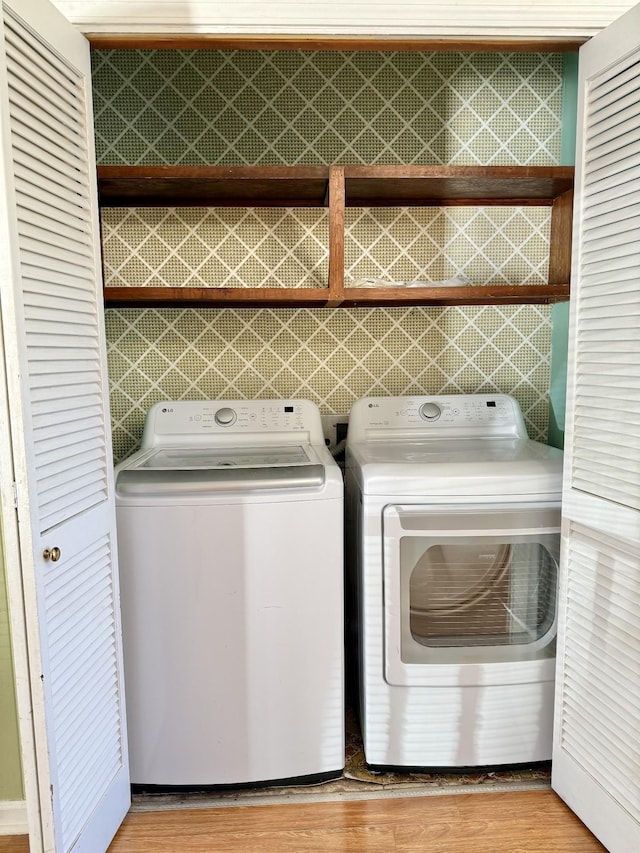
(52, 554)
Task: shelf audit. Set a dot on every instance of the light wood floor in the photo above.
(519, 822)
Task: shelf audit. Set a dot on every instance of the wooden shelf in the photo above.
(213, 186)
(428, 186)
(507, 294)
(307, 186)
(216, 297)
(352, 297)
(338, 188)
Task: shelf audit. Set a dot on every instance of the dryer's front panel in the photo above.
(472, 587)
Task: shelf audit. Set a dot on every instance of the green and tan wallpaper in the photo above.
(297, 107)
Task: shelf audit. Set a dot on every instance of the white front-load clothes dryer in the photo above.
(453, 532)
(229, 523)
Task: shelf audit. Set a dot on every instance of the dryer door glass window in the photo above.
(472, 583)
(481, 591)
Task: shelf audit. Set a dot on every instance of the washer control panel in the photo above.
(465, 414)
(217, 420)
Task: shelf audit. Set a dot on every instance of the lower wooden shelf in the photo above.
(317, 297)
(501, 294)
(215, 297)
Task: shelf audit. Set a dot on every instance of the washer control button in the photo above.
(225, 417)
(430, 411)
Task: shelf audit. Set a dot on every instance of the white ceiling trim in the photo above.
(410, 18)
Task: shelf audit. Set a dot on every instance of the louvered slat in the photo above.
(608, 125)
(606, 423)
(608, 318)
(66, 285)
(611, 193)
(613, 86)
(49, 206)
(600, 260)
(626, 215)
(46, 116)
(587, 708)
(41, 70)
(609, 213)
(68, 444)
(55, 238)
(626, 468)
(621, 157)
(602, 101)
(66, 161)
(29, 169)
(48, 225)
(624, 123)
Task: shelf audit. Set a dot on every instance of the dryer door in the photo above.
(473, 586)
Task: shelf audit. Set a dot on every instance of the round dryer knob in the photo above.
(430, 411)
(225, 417)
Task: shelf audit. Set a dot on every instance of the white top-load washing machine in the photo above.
(229, 522)
(453, 531)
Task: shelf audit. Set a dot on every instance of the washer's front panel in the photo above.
(233, 641)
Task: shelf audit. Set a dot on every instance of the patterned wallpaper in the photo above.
(295, 107)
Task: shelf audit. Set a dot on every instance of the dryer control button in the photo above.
(430, 411)
(225, 417)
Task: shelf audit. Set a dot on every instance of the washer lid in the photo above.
(200, 469)
(463, 467)
(218, 458)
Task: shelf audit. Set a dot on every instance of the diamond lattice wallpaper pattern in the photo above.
(328, 356)
(252, 107)
(231, 107)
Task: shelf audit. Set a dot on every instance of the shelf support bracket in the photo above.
(336, 236)
(561, 233)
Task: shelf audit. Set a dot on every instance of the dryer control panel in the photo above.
(472, 415)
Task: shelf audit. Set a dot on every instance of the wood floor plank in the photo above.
(531, 821)
(524, 822)
(304, 816)
(14, 844)
(372, 839)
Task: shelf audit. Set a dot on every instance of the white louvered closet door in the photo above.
(596, 759)
(52, 320)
